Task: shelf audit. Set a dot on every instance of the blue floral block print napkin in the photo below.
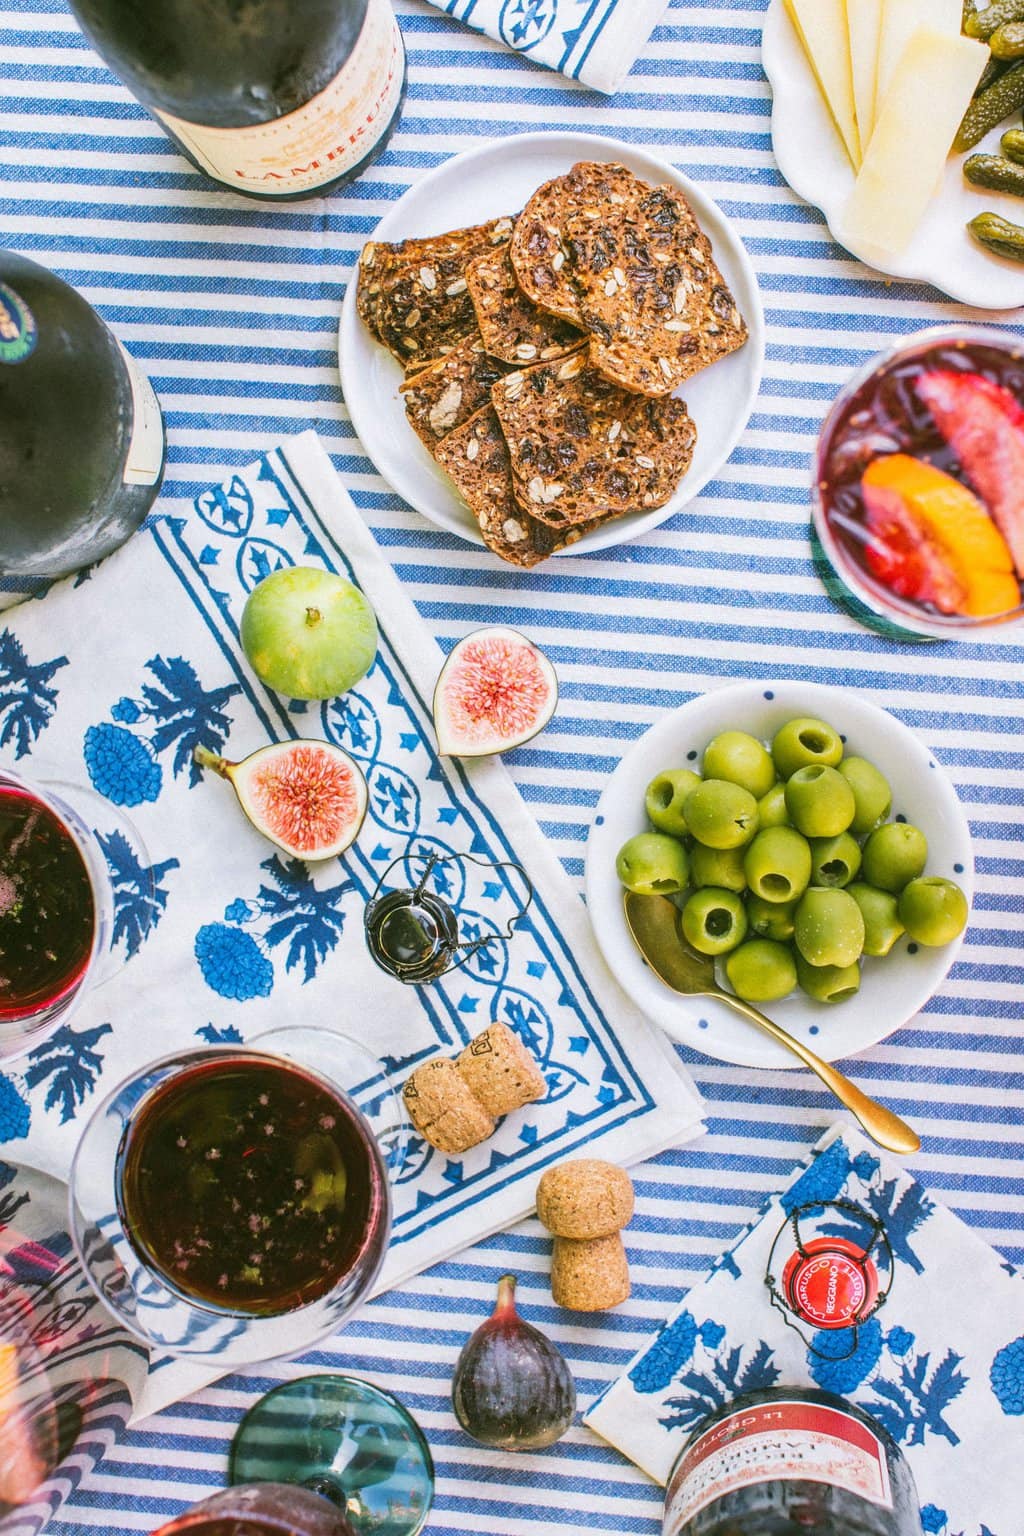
(940, 1365)
(594, 41)
(116, 678)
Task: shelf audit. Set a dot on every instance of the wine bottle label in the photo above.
(777, 1442)
(146, 448)
(17, 327)
(319, 142)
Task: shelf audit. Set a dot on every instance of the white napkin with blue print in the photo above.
(940, 1366)
(594, 41)
(117, 677)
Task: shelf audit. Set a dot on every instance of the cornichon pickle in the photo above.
(1007, 41)
(1012, 145)
(983, 23)
(994, 172)
(998, 235)
(990, 74)
(988, 109)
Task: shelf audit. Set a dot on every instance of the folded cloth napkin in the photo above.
(940, 1365)
(594, 41)
(79, 1357)
(117, 677)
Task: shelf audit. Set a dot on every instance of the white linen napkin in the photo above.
(594, 41)
(940, 1365)
(115, 677)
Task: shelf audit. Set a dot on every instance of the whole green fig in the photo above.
(512, 1389)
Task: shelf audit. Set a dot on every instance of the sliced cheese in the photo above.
(928, 95)
(821, 26)
(900, 20)
(864, 27)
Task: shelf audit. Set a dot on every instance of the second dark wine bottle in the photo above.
(276, 99)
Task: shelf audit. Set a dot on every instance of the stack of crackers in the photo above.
(543, 353)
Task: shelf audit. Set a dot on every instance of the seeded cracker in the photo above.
(537, 250)
(649, 293)
(446, 394)
(413, 296)
(512, 327)
(580, 447)
(475, 456)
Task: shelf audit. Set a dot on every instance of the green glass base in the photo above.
(347, 1440)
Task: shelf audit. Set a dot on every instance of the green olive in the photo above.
(828, 983)
(653, 864)
(933, 910)
(771, 808)
(741, 759)
(714, 921)
(828, 928)
(717, 866)
(834, 860)
(871, 794)
(819, 801)
(663, 800)
(761, 971)
(805, 743)
(771, 919)
(882, 926)
(894, 855)
(778, 864)
(720, 814)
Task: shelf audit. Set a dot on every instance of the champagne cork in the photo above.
(443, 1108)
(500, 1071)
(586, 1202)
(590, 1276)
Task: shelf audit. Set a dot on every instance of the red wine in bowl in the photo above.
(47, 908)
(250, 1186)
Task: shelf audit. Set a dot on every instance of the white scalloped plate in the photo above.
(494, 179)
(812, 159)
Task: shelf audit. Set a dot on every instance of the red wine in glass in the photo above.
(250, 1186)
(47, 910)
(261, 1509)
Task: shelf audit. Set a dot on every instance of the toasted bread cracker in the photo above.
(475, 456)
(413, 296)
(537, 248)
(443, 396)
(580, 447)
(513, 328)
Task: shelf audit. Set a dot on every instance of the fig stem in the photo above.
(207, 759)
(313, 617)
(506, 1295)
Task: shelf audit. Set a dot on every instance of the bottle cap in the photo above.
(830, 1282)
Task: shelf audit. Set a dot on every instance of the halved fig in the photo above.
(496, 690)
(308, 797)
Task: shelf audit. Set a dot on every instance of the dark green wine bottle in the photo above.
(276, 99)
(81, 434)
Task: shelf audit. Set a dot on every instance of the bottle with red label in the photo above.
(275, 99)
(791, 1462)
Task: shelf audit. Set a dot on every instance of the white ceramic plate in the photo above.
(893, 989)
(495, 179)
(812, 159)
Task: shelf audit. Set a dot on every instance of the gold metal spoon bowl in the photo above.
(654, 923)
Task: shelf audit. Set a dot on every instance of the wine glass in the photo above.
(29, 1424)
(347, 1440)
(231, 1204)
(56, 904)
(265, 1509)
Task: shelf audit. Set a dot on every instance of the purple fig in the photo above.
(512, 1389)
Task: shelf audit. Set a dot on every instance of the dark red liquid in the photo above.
(884, 416)
(261, 1509)
(250, 1186)
(47, 909)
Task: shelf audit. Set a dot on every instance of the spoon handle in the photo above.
(881, 1124)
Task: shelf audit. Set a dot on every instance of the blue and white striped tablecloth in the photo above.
(232, 308)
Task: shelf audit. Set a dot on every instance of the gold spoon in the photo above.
(654, 923)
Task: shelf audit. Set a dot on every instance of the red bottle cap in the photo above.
(831, 1283)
